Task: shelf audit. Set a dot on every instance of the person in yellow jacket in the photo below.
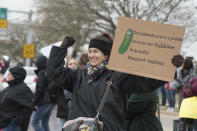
(188, 111)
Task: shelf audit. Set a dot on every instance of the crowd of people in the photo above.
(78, 87)
(21, 104)
(185, 74)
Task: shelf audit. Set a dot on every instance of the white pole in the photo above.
(29, 36)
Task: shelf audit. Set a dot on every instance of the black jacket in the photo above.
(87, 96)
(42, 95)
(16, 102)
(58, 94)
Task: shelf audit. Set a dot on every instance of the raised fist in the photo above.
(67, 42)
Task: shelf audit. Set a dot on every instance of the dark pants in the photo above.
(194, 127)
(180, 99)
(171, 97)
(40, 117)
(163, 95)
(12, 126)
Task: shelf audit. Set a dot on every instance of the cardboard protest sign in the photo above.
(146, 48)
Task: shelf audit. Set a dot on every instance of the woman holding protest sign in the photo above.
(89, 84)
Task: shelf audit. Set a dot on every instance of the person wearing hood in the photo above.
(43, 101)
(16, 103)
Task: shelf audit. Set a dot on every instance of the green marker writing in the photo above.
(126, 42)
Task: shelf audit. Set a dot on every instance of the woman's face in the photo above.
(10, 77)
(96, 57)
(72, 64)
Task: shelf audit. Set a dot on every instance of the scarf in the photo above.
(95, 72)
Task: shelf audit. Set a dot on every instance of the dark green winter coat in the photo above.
(141, 114)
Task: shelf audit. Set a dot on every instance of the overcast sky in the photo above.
(27, 5)
(22, 5)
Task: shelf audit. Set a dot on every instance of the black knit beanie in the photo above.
(102, 45)
(18, 72)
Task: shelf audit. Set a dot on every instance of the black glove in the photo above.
(177, 60)
(67, 42)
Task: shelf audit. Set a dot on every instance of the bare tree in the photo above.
(81, 18)
(107, 11)
(62, 17)
(14, 40)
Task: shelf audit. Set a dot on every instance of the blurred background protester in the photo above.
(185, 73)
(63, 96)
(188, 112)
(4, 65)
(83, 60)
(72, 64)
(16, 103)
(141, 114)
(171, 92)
(43, 100)
(163, 95)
